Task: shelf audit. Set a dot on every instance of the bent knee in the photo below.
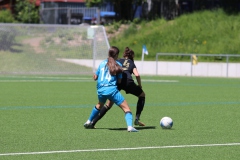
(142, 95)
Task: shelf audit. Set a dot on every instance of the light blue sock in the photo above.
(128, 118)
(94, 113)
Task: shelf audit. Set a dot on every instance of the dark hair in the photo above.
(113, 66)
(128, 53)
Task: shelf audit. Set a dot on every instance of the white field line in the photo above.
(152, 80)
(47, 77)
(4, 81)
(118, 149)
(79, 80)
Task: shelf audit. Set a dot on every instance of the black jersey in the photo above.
(128, 84)
(128, 65)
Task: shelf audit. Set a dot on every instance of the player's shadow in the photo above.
(138, 128)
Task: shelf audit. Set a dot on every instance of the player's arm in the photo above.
(119, 78)
(95, 77)
(138, 78)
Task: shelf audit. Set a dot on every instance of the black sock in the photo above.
(140, 106)
(102, 112)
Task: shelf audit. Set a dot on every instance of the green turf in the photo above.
(41, 117)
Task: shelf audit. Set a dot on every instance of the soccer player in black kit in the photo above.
(129, 86)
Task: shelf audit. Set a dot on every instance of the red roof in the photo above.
(39, 1)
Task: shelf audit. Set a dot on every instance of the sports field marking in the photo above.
(55, 79)
(46, 77)
(152, 80)
(119, 149)
(60, 80)
(171, 104)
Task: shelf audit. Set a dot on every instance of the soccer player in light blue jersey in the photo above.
(108, 74)
(129, 86)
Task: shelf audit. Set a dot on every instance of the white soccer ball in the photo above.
(166, 122)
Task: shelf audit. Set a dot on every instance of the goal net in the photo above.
(51, 49)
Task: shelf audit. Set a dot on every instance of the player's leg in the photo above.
(102, 112)
(140, 106)
(95, 111)
(122, 103)
(138, 92)
(104, 109)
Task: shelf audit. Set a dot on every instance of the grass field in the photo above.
(42, 117)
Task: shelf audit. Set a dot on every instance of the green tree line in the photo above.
(25, 11)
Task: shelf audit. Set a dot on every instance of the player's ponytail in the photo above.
(113, 67)
(128, 53)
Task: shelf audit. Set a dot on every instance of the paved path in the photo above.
(202, 69)
(150, 66)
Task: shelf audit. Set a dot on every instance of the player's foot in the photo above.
(131, 129)
(88, 125)
(138, 123)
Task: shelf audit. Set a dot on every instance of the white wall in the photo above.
(202, 69)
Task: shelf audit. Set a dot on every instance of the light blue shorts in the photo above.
(116, 97)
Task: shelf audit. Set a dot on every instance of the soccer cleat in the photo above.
(138, 123)
(88, 125)
(131, 129)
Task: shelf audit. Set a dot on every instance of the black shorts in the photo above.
(131, 88)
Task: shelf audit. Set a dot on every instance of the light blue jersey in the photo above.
(107, 84)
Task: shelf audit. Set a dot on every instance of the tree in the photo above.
(6, 16)
(26, 11)
(91, 3)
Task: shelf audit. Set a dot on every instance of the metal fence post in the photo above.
(191, 63)
(156, 64)
(69, 15)
(227, 65)
(98, 16)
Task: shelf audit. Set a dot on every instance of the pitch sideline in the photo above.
(118, 149)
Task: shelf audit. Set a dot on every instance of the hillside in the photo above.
(205, 32)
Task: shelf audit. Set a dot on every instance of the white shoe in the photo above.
(86, 125)
(131, 129)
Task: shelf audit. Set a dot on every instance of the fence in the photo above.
(197, 68)
(67, 15)
(49, 49)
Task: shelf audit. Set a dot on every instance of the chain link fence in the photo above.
(67, 15)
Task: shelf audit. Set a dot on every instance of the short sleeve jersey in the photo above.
(128, 65)
(106, 83)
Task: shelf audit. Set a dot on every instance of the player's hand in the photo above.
(95, 77)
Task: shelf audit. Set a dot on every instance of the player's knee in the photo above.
(142, 95)
(125, 106)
